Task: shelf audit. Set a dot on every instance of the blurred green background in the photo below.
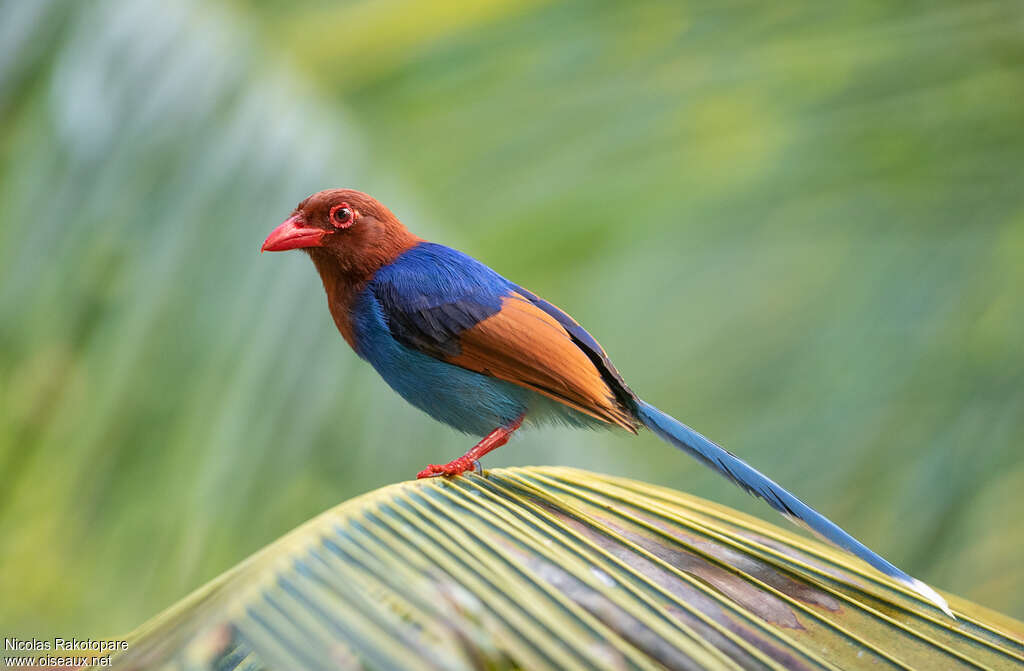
(797, 226)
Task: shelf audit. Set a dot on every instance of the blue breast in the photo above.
(465, 400)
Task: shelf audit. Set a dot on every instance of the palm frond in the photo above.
(555, 568)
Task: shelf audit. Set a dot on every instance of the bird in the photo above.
(485, 355)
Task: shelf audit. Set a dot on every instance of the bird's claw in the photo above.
(431, 471)
(460, 465)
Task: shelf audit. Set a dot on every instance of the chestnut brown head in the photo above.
(343, 226)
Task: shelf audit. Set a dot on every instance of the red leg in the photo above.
(491, 441)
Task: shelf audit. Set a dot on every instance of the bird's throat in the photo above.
(342, 289)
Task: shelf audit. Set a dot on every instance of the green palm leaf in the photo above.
(539, 568)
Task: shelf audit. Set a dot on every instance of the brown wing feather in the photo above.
(524, 345)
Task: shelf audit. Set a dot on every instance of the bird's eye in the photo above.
(341, 216)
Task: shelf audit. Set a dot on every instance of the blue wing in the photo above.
(443, 303)
(431, 294)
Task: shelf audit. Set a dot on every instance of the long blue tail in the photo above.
(728, 464)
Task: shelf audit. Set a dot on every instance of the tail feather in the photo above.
(672, 431)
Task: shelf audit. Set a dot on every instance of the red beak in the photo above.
(293, 234)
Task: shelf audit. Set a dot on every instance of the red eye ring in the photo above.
(342, 215)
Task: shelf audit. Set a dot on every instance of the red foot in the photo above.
(469, 460)
(460, 465)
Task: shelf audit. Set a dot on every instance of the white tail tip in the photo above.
(930, 594)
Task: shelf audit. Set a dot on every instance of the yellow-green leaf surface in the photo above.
(553, 568)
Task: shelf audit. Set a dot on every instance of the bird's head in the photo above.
(344, 227)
